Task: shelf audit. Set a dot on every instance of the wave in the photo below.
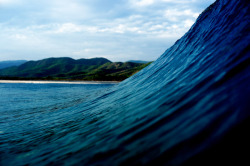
(189, 107)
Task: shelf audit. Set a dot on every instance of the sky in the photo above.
(118, 30)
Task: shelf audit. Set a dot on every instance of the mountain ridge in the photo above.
(66, 68)
(10, 63)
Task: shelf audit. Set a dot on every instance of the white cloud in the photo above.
(141, 2)
(8, 2)
(19, 36)
(69, 28)
(176, 14)
(188, 23)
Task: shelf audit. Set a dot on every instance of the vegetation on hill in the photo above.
(115, 71)
(97, 69)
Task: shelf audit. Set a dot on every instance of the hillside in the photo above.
(6, 64)
(65, 68)
(115, 71)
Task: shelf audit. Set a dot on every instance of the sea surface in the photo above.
(189, 107)
(28, 108)
(16, 97)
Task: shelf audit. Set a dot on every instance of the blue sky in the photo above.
(119, 30)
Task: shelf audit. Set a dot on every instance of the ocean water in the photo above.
(27, 110)
(24, 96)
(189, 107)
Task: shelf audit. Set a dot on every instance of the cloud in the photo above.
(19, 36)
(8, 2)
(188, 23)
(141, 2)
(117, 29)
(69, 28)
(64, 11)
(177, 15)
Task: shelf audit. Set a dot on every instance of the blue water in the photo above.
(22, 96)
(28, 110)
(190, 107)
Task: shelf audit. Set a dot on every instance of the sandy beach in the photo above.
(58, 82)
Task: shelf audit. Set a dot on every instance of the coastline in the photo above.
(57, 82)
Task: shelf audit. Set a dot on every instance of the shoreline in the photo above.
(57, 82)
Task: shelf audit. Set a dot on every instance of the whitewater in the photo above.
(189, 107)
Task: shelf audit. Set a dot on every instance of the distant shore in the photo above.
(58, 82)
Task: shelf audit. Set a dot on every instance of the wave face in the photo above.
(190, 107)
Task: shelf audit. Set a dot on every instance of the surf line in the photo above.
(57, 82)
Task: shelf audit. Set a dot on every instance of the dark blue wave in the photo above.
(190, 107)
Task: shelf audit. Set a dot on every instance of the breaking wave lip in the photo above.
(190, 107)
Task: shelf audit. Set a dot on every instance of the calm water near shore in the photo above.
(22, 103)
(58, 82)
(23, 96)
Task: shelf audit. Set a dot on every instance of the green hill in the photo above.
(116, 71)
(100, 69)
